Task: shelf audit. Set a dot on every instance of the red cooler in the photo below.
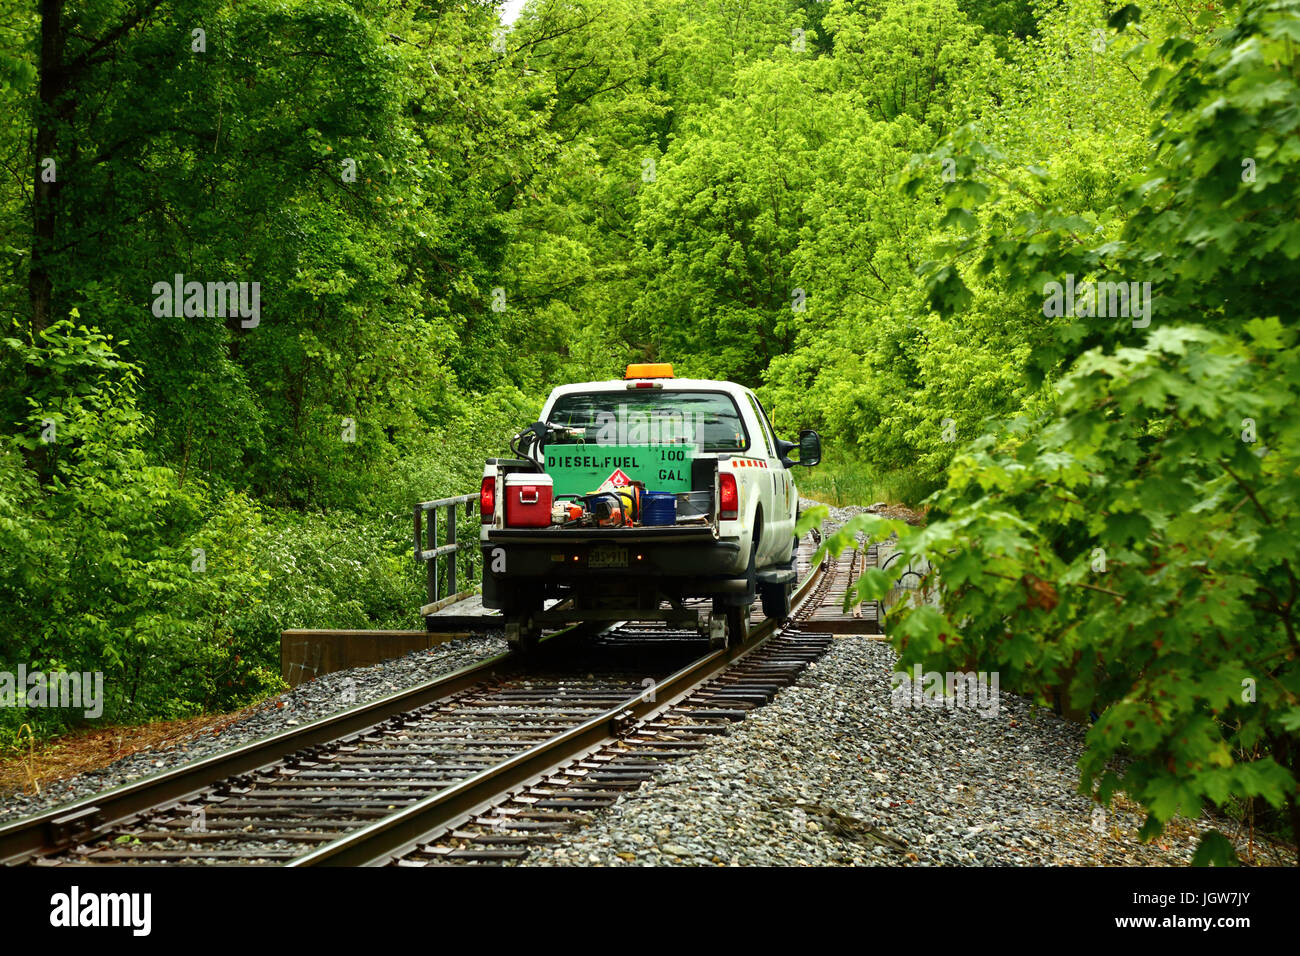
(528, 500)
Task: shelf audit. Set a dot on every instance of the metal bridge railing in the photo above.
(909, 581)
(430, 551)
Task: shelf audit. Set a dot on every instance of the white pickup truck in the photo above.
(714, 519)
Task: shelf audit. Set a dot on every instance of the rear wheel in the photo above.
(736, 609)
(737, 625)
(776, 601)
(730, 624)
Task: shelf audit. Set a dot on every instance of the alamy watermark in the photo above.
(1124, 300)
(222, 300)
(77, 909)
(59, 689)
(953, 689)
(637, 425)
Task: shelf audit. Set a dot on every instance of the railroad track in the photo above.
(473, 766)
(568, 795)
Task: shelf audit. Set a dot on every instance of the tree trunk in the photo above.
(49, 114)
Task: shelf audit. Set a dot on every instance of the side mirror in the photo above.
(810, 447)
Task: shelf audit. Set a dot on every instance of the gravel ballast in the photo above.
(835, 772)
(307, 702)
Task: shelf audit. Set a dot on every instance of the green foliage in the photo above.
(1002, 17)
(233, 163)
(177, 594)
(842, 479)
(1133, 546)
(721, 222)
(87, 524)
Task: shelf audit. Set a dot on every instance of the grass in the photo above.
(840, 480)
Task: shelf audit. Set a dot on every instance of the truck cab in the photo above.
(629, 498)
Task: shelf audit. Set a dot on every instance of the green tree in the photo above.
(1133, 548)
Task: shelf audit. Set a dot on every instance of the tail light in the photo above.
(728, 498)
(487, 500)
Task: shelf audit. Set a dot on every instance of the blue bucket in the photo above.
(658, 508)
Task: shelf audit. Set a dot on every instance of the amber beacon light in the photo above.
(650, 370)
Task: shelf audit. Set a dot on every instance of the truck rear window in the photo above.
(710, 420)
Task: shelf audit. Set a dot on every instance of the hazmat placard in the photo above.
(582, 469)
(619, 479)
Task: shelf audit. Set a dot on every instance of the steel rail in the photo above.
(100, 813)
(378, 842)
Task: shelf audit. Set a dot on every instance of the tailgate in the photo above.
(626, 536)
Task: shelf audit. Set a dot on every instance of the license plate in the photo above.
(607, 556)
